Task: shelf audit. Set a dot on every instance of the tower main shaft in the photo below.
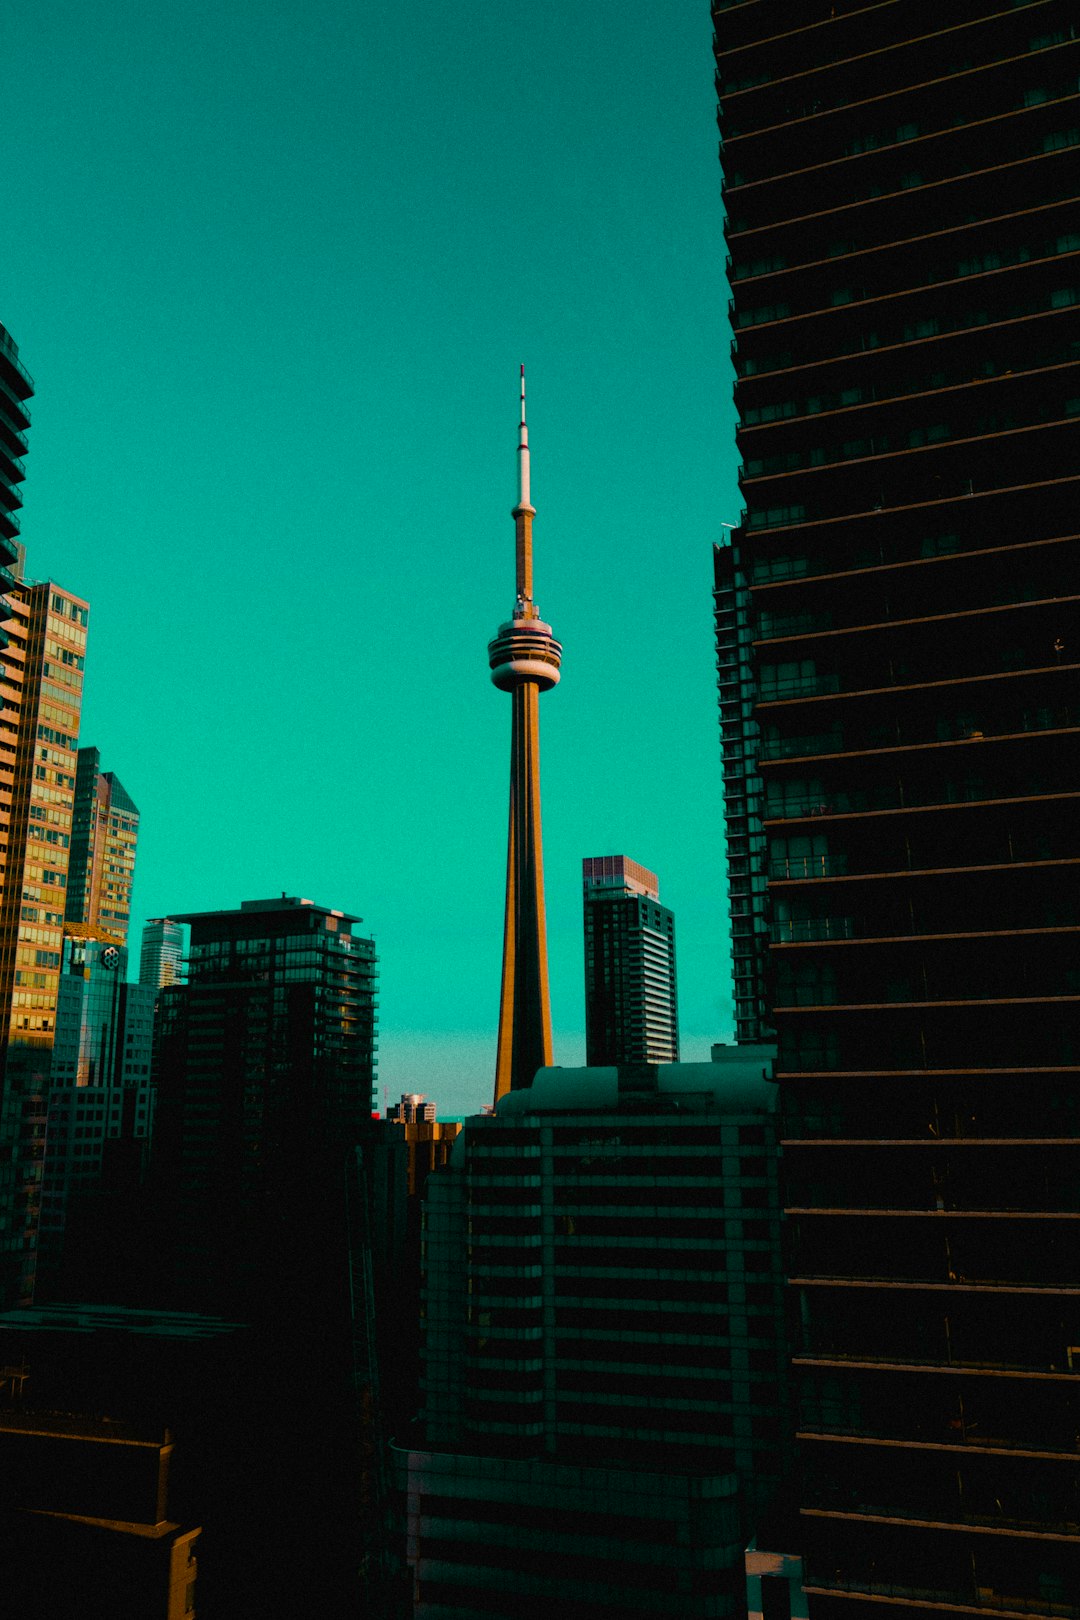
(524, 659)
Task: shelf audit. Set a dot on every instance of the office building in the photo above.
(265, 1073)
(604, 1361)
(100, 1102)
(42, 652)
(104, 837)
(101, 1099)
(631, 1004)
(524, 659)
(899, 607)
(161, 961)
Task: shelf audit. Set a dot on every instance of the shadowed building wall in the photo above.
(898, 619)
(266, 1068)
(604, 1364)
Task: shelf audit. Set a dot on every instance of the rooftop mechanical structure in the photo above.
(524, 659)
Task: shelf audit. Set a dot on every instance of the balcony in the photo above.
(957, 1367)
(974, 1524)
(951, 1286)
(980, 1446)
(983, 1602)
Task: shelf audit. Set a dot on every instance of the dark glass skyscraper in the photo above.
(16, 387)
(899, 633)
(265, 1070)
(101, 1100)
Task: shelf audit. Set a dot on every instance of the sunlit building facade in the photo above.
(161, 960)
(899, 634)
(104, 839)
(42, 655)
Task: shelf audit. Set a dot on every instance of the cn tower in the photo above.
(524, 659)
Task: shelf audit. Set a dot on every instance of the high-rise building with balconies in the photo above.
(42, 652)
(631, 1000)
(265, 1067)
(16, 387)
(604, 1360)
(898, 618)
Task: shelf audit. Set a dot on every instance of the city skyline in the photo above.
(285, 222)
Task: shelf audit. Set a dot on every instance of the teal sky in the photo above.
(273, 268)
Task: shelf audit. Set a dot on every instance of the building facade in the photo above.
(603, 1361)
(631, 997)
(104, 839)
(101, 1097)
(42, 654)
(265, 1068)
(904, 589)
(85, 1524)
(161, 960)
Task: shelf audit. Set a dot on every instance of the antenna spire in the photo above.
(524, 504)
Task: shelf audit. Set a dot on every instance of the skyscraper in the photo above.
(524, 659)
(899, 604)
(265, 1070)
(631, 1008)
(104, 837)
(101, 1097)
(43, 652)
(100, 1090)
(161, 960)
(16, 387)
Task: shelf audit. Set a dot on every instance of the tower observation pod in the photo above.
(524, 659)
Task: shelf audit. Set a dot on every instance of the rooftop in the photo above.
(283, 902)
(738, 1083)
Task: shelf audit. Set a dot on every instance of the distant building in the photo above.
(265, 1071)
(604, 1361)
(161, 960)
(104, 838)
(411, 1108)
(100, 1094)
(631, 1001)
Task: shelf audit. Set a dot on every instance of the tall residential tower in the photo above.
(42, 652)
(265, 1070)
(524, 659)
(899, 628)
(631, 1011)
